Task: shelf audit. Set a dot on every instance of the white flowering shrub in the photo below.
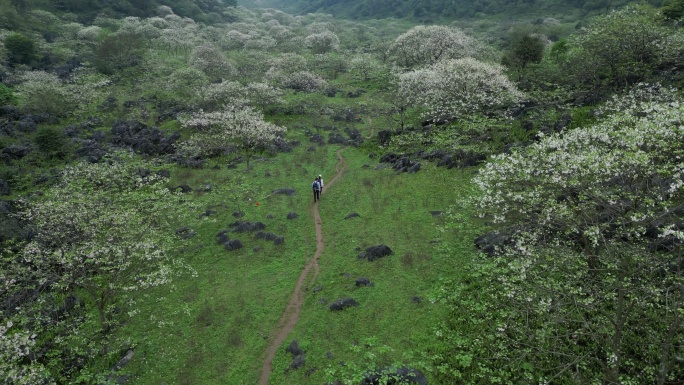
(212, 62)
(303, 81)
(366, 67)
(89, 33)
(429, 44)
(322, 42)
(457, 87)
(264, 43)
(239, 126)
(216, 95)
(186, 83)
(42, 92)
(587, 285)
(103, 235)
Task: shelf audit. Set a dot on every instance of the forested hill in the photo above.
(434, 10)
(87, 10)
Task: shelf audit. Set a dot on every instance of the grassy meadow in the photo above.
(215, 327)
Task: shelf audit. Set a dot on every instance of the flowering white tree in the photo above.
(102, 235)
(322, 42)
(366, 66)
(429, 44)
(589, 283)
(260, 95)
(212, 62)
(457, 87)
(241, 126)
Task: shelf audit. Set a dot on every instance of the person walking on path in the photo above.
(320, 181)
(316, 190)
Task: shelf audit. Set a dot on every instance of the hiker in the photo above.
(320, 181)
(316, 190)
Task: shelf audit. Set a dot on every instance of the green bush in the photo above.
(6, 95)
(51, 141)
(20, 49)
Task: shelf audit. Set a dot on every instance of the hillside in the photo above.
(430, 11)
(497, 207)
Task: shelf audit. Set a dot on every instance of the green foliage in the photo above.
(6, 95)
(673, 9)
(20, 49)
(119, 51)
(524, 49)
(51, 141)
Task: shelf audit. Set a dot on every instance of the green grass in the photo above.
(214, 328)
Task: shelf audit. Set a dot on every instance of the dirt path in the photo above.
(293, 310)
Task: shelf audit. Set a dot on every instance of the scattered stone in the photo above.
(352, 215)
(298, 362)
(208, 213)
(233, 244)
(256, 249)
(323, 301)
(342, 304)
(222, 237)
(284, 191)
(279, 241)
(292, 215)
(185, 232)
(329, 355)
(437, 213)
(184, 188)
(401, 375)
(491, 243)
(4, 187)
(317, 289)
(246, 227)
(416, 299)
(363, 281)
(294, 348)
(375, 252)
(270, 216)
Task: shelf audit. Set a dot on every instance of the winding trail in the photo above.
(293, 310)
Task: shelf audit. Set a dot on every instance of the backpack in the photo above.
(316, 186)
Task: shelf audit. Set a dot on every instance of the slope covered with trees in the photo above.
(139, 156)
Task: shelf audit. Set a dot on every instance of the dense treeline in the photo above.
(86, 11)
(433, 10)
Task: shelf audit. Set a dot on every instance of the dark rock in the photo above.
(342, 304)
(491, 243)
(270, 236)
(336, 138)
(352, 215)
(222, 237)
(294, 348)
(297, 362)
(318, 139)
(270, 216)
(209, 212)
(317, 289)
(416, 299)
(185, 233)
(256, 249)
(292, 215)
(184, 188)
(233, 244)
(284, 191)
(437, 213)
(279, 241)
(363, 281)
(239, 214)
(375, 252)
(17, 151)
(164, 173)
(414, 168)
(387, 376)
(246, 227)
(4, 187)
